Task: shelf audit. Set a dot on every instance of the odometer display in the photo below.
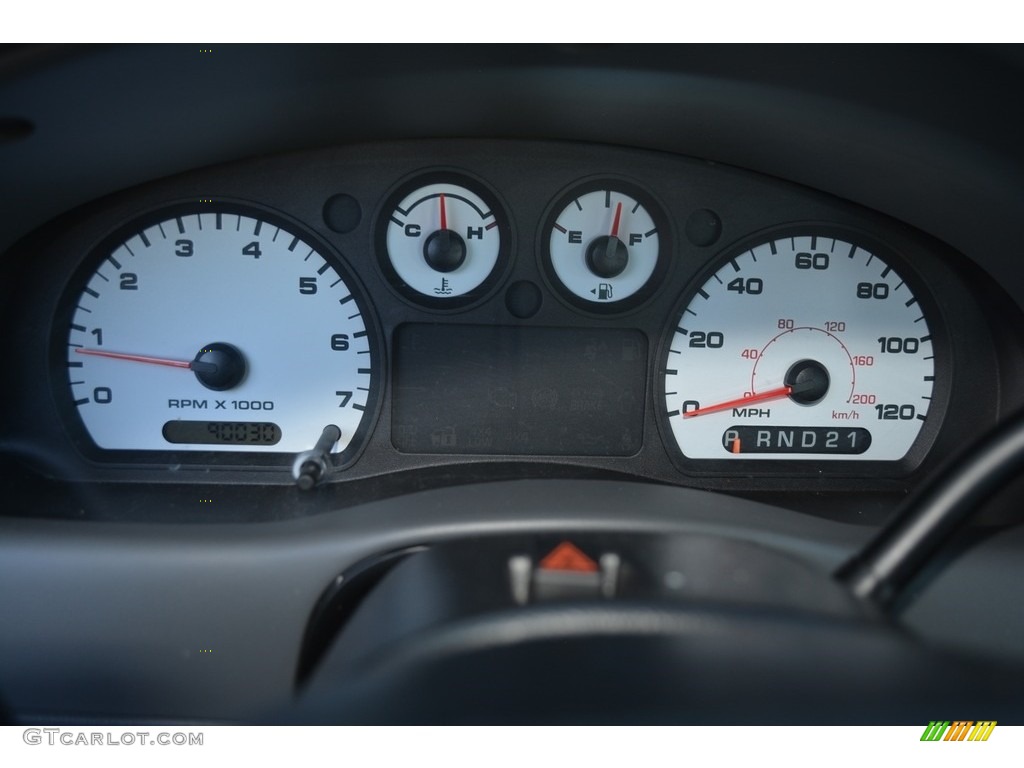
(804, 347)
(222, 432)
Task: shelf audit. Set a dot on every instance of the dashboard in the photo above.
(590, 307)
(771, 306)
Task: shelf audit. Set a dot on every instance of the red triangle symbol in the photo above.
(568, 557)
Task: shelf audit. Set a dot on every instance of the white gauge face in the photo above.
(443, 241)
(800, 348)
(604, 247)
(218, 331)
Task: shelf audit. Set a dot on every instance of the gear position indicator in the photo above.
(604, 247)
(443, 242)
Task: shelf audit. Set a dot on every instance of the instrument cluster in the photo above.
(348, 313)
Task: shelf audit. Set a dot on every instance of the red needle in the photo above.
(615, 224)
(444, 215)
(771, 394)
(136, 358)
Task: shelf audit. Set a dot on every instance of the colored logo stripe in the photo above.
(935, 730)
(982, 730)
(959, 730)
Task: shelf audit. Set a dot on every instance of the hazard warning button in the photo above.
(564, 573)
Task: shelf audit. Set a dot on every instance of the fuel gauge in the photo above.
(604, 247)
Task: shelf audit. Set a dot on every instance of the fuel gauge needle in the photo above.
(771, 394)
(191, 365)
(615, 223)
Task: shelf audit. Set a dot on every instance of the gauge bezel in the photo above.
(442, 175)
(941, 386)
(666, 246)
(71, 420)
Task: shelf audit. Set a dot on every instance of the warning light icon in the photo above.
(568, 557)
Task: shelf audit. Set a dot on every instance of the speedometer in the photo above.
(197, 333)
(802, 347)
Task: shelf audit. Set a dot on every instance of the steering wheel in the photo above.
(651, 626)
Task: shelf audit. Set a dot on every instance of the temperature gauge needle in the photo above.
(191, 365)
(771, 394)
(444, 215)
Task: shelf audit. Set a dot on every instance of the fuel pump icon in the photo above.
(604, 291)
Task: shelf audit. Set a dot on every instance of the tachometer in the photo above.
(221, 329)
(804, 347)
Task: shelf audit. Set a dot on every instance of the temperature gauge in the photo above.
(604, 247)
(443, 242)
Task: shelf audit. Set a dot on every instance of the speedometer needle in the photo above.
(192, 365)
(771, 394)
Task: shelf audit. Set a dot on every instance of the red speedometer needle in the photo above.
(444, 215)
(771, 394)
(615, 223)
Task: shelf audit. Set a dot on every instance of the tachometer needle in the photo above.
(191, 365)
(771, 394)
